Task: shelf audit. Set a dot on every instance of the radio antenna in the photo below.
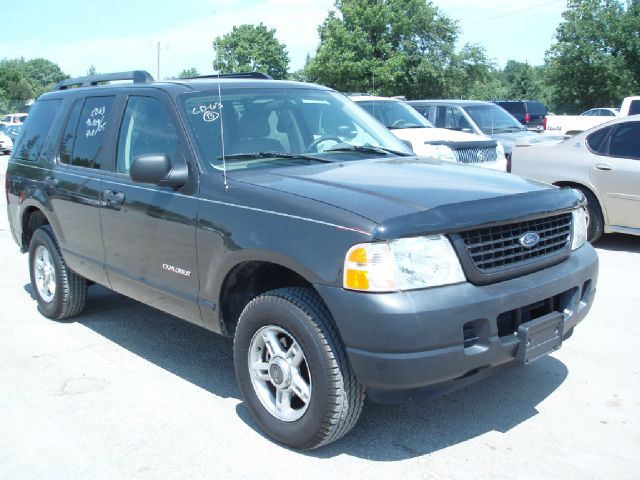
(224, 160)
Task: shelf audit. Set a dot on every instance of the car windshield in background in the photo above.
(283, 126)
(493, 119)
(395, 115)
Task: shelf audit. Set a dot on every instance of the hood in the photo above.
(510, 139)
(382, 189)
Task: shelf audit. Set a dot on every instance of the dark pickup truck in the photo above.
(282, 214)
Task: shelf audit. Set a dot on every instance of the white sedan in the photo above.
(603, 163)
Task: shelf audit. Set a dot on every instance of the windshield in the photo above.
(493, 119)
(282, 126)
(394, 115)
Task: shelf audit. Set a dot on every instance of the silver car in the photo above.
(604, 163)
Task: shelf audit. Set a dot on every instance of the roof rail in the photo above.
(357, 94)
(138, 76)
(255, 75)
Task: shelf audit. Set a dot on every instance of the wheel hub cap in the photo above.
(280, 373)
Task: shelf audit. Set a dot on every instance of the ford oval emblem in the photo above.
(529, 239)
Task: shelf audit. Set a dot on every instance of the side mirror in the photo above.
(156, 168)
(408, 144)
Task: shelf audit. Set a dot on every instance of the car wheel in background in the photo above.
(595, 220)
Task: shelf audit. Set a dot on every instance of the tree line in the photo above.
(408, 47)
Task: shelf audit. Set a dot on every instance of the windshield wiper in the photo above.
(377, 150)
(258, 155)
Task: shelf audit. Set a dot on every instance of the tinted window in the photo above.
(597, 141)
(451, 117)
(66, 148)
(146, 128)
(36, 129)
(90, 132)
(625, 141)
(634, 108)
(423, 110)
(536, 108)
(513, 107)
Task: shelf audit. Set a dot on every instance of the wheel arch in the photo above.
(32, 218)
(250, 278)
(573, 184)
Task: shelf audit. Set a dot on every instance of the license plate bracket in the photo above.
(539, 337)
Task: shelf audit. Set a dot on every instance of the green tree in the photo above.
(595, 60)
(469, 73)
(188, 73)
(251, 48)
(391, 47)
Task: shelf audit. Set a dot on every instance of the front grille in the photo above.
(476, 155)
(493, 249)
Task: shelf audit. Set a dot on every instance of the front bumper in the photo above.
(404, 344)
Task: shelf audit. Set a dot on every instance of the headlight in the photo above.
(405, 264)
(499, 152)
(439, 152)
(579, 234)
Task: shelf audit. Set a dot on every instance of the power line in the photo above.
(512, 13)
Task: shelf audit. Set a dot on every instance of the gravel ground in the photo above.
(125, 391)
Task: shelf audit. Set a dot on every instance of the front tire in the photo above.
(595, 222)
(60, 292)
(292, 369)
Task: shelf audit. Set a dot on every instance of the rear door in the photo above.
(149, 230)
(75, 184)
(616, 175)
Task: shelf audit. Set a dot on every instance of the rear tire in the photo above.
(286, 347)
(60, 292)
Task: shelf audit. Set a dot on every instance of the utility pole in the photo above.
(159, 47)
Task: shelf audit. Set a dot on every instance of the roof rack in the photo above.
(138, 76)
(255, 75)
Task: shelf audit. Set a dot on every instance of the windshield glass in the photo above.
(493, 119)
(394, 115)
(282, 126)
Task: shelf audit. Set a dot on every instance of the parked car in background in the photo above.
(570, 125)
(529, 113)
(630, 106)
(407, 124)
(15, 118)
(601, 112)
(475, 116)
(6, 145)
(603, 163)
(12, 131)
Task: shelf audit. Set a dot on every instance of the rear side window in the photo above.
(625, 141)
(85, 131)
(634, 108)
(536, 108)
(597, 141)
(513, 107)
(36, 129)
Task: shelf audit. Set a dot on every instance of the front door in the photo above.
(150, 231)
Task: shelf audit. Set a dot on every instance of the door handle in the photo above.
(113, 198)
(604, 167)
(51, 182)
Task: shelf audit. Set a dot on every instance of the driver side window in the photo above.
(146, 128)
